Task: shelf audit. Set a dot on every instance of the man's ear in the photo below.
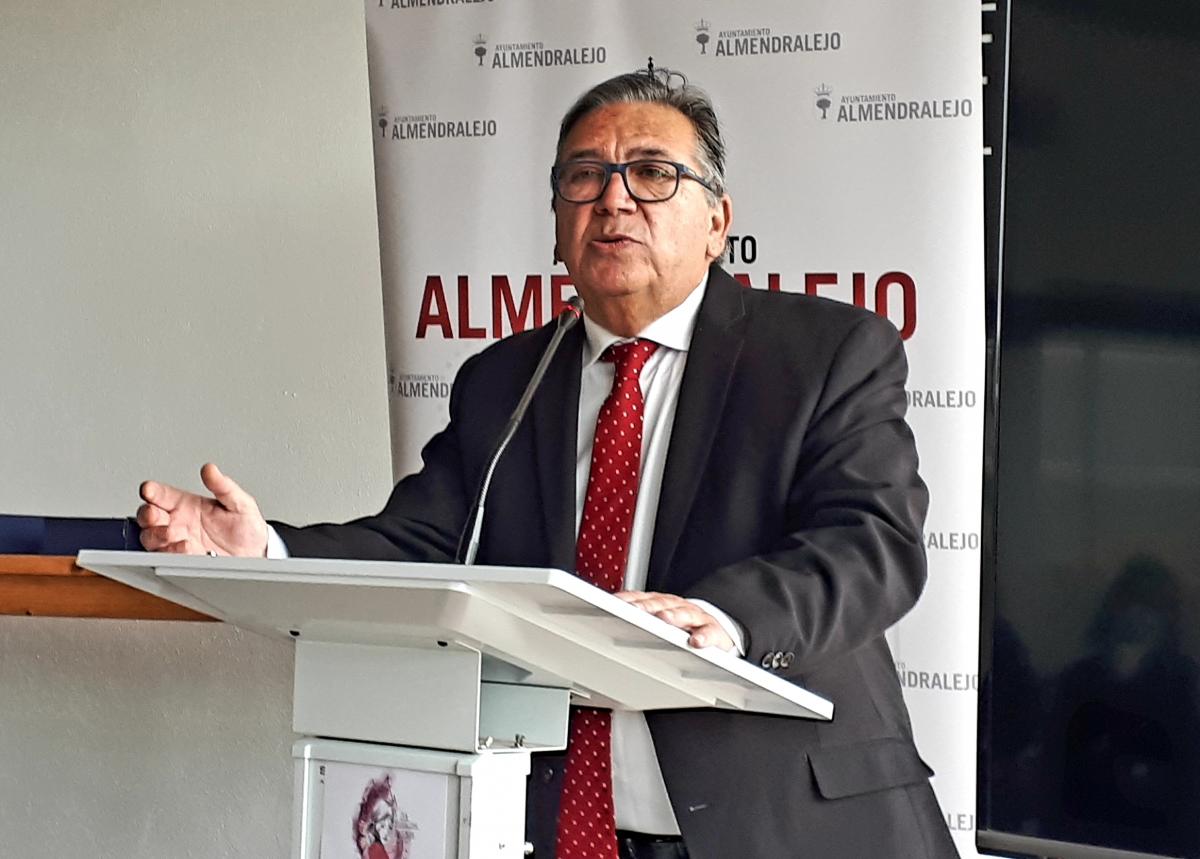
(720, 218)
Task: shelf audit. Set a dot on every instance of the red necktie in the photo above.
(587, 826)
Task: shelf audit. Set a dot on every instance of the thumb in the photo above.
(224, 489)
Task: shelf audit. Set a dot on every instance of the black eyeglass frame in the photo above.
(610, 167)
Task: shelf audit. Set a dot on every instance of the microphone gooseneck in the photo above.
(468, 541)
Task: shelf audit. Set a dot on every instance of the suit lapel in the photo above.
(712, 356)
(555, 413)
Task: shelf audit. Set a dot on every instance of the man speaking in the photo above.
(734, 461)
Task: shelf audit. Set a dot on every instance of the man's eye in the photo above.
(654, 172)
(584, 173)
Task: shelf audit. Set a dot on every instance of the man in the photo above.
(734, 461)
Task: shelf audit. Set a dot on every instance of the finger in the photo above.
(711, 634)
(224, 488)
(654, 602)
(155, 538)
(683, 616)
(148, 516)
(161, 495)
(639, 597)
(702, 628)
(181, 547)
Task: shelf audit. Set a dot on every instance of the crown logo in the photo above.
(702, 26)
(480, 39)
(480, 47)
(823, 92)
(702, 35)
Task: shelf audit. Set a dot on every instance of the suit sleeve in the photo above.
(851, 560)
(424, 515)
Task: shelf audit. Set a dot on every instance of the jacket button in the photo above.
(787, 660)
(766, 660)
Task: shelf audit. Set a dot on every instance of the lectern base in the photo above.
(370, 801)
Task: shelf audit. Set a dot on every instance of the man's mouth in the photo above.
(614, 241)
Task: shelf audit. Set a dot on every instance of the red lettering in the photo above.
(465, 331)
(860, 289)
(814, 280)
(772, 280)
(502, 300)
(434, 310)
(908, 294)
(557, 303)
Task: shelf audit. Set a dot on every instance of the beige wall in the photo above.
(188, 270)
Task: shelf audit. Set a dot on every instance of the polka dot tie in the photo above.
(586, 822)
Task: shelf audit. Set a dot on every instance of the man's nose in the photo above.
(615, 196)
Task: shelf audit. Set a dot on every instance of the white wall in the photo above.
(188, 270)
(143, 740)
(189, 262)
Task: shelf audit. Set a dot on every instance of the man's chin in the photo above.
(605, 290)
(610, 278)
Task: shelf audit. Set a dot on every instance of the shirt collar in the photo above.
(673, 329)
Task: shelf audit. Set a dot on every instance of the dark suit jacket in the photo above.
(790, 500)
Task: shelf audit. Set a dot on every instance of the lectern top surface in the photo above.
(532, 626)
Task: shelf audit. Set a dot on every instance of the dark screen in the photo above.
(1090, 720)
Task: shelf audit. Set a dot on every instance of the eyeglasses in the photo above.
(647, 180)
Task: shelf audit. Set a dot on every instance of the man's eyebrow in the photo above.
(579, 154)
(649, 152)
(631, 155)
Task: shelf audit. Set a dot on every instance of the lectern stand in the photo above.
(423, 688)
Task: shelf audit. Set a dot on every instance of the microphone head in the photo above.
(572, 312)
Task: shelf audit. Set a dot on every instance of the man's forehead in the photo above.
(638, 130)
(629, 150)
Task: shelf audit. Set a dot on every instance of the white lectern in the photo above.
(444, 679)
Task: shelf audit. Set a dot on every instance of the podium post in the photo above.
(422, 689)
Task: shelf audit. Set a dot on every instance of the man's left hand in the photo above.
(677, 611)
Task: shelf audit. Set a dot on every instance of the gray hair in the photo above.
(660, 86)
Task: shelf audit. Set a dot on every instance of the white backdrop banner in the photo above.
(854, 131)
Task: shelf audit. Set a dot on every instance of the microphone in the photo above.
(468, 541)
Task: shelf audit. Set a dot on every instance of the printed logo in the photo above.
(939, 681)
(418, 386)
(446, 308)
(756, 41)
(952, 541)
(427, 126)
(892, 294)
(961, 822)
(425, 4)
(535, 55)
(890, 107)
(946, 398)
(823, 102)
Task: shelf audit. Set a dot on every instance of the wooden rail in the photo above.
(53, 586)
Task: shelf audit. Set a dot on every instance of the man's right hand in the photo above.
(229, 523)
